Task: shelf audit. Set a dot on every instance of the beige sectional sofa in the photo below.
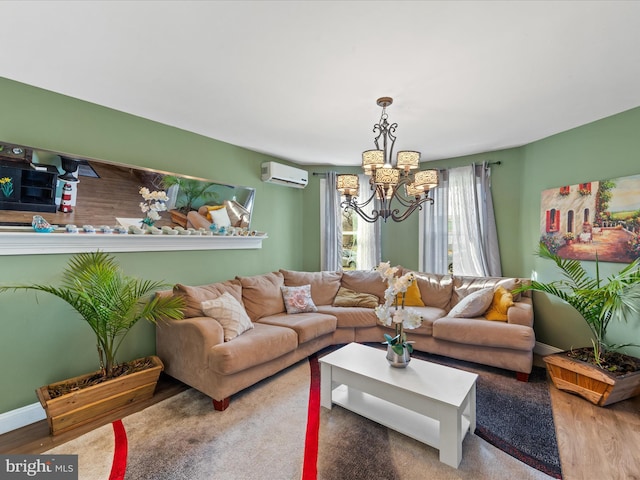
(194, 351)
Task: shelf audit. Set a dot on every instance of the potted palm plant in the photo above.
(599, 373)
(189, 191)
(111, 303)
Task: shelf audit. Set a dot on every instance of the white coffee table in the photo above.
(432, 403)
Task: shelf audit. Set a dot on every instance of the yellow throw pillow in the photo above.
(412, 297)
(502, 300)
(210, 208)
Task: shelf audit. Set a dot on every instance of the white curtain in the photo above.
(474, 235)
(462, 211)
(330, 225)
(368, 237)
(434, 229)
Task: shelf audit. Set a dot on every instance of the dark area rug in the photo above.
(514, 416)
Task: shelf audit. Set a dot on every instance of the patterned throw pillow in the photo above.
(229, 313)
(298, 299)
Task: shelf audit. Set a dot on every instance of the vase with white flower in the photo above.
(153, 203)
(393, 313)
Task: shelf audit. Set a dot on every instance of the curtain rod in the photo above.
(498, 162)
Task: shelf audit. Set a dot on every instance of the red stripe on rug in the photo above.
(119, 465)
(310, 466)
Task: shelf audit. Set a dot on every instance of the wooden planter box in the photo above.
(589, 381)
(179, 218)
(86, 405)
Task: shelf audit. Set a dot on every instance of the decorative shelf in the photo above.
(28, 242)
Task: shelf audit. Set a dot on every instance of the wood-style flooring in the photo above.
(594, 442)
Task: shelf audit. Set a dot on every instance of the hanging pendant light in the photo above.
(389, 183)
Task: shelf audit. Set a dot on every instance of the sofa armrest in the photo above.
(195, 220)
(521, 313)
(188, 340)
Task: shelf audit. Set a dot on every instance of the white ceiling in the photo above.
(299, 80)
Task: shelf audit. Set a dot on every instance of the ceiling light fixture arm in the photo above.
(385, 211)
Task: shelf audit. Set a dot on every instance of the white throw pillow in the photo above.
(473, 305)
(229, 313)
(220, 217)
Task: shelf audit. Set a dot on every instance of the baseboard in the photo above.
(21, 417)
(543, 349)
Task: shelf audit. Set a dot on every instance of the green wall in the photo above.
(600, 150)
(46, 341)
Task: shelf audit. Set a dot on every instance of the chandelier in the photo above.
(392, 188)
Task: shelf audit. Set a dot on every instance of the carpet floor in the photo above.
(515, 416)
(262, 436)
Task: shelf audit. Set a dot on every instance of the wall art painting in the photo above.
(602, 216)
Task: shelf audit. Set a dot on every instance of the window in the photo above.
(584, 188)
(570, 221)
(349, 240)
(553, 220)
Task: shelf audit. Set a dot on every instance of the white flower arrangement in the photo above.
(153, 203)
(389, 314)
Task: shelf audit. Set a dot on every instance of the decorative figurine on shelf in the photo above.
(65, 202)
(40, 225)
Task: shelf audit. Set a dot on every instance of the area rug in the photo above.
(514, 416)
(268, 432)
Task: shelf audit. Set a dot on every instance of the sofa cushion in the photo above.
(324, 285)
(194, 296)
(473, 331)
(261, 344)
(206, 209)
(351, 317)
(428, 316)
(220, 217)
(463, 286)
(502, 301)
(229, 313)
(435, 290)
(349, 298)
(412, 297)
(307, 325)
(298, 299)
(261, 294)
(473, 305)
(365, 281)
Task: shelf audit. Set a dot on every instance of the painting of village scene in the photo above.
(579, 220)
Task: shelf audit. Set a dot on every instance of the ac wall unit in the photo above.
(273, 172)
